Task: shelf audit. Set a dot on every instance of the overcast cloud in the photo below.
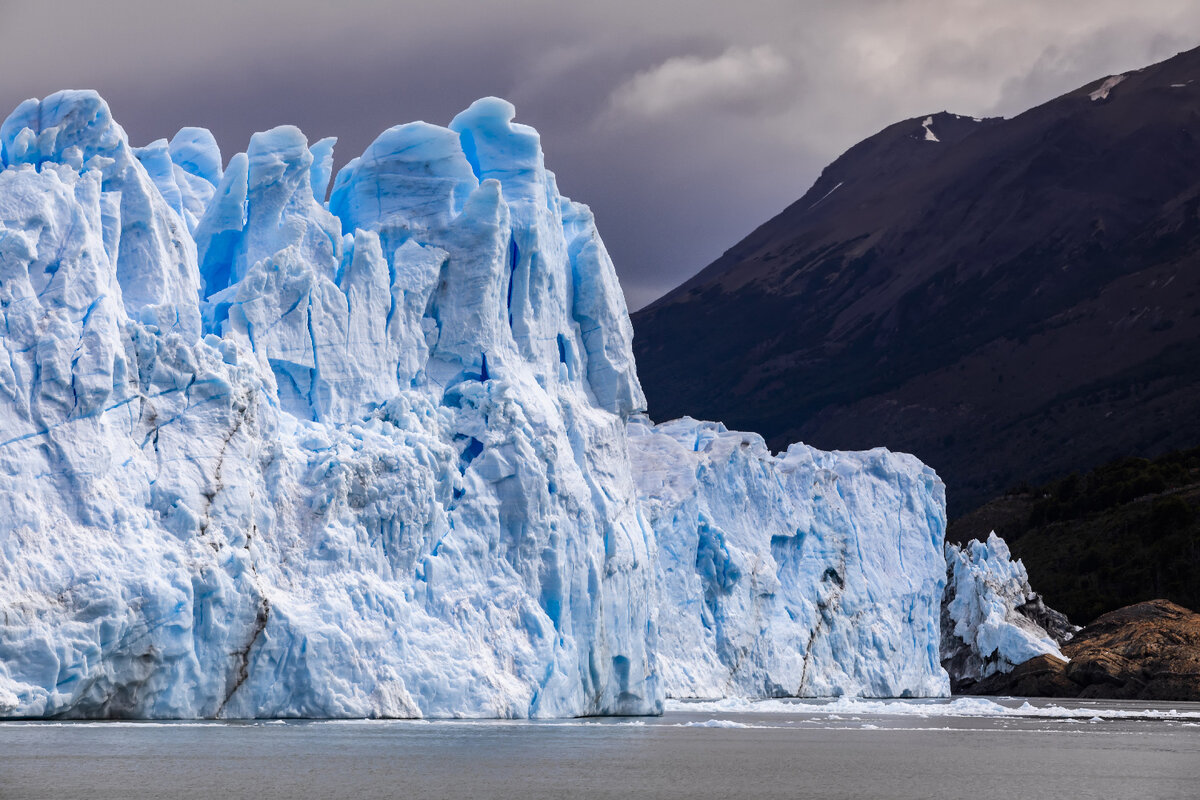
(683, 124)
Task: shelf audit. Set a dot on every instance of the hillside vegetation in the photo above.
(1126, 532)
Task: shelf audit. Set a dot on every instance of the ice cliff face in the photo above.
(261, 458)
(992, 619)
(265, 455)
(807, 573)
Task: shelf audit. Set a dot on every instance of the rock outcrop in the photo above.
(1147, 651)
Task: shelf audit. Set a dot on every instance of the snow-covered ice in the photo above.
(268, 455)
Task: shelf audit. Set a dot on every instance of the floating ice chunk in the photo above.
(715, 723)
(949, 707)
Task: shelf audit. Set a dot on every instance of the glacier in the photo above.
(267, 454)
(992, 619)
(806, 573)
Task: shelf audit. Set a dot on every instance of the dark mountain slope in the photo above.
(1016, 300)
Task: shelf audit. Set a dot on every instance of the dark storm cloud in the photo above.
(683, 124)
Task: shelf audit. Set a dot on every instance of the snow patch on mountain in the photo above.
(930, 136)
(1107, 86)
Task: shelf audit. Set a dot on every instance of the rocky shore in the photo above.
(1147, 651)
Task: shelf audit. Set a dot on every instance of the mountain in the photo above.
(1008, 299)
(384, 456)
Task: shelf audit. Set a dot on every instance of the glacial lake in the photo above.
(965, 747)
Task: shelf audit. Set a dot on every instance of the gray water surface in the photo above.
(776, 749)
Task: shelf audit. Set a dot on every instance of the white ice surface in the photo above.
(380, 481)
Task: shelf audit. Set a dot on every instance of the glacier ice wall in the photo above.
(807, 573)
(263, 455)
(992, 619)
(265, 458)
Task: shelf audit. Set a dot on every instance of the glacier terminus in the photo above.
(267, 454)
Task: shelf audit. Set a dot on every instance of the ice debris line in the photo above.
(264, 455)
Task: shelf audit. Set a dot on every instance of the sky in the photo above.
(684, 124)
